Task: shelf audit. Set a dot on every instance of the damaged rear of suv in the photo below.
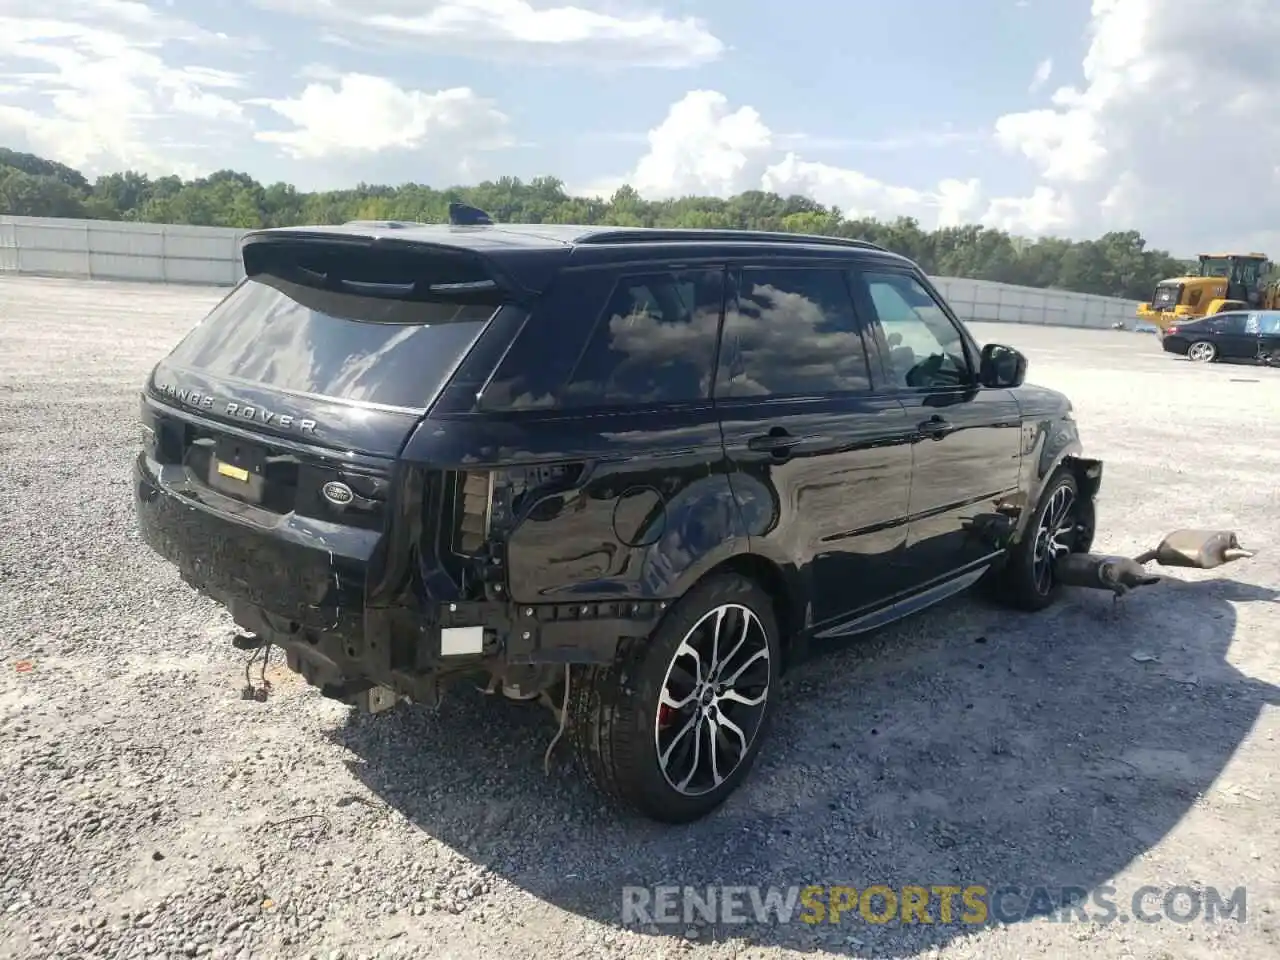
(289, 472)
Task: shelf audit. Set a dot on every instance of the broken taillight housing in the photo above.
(477, 507)
(486, 502)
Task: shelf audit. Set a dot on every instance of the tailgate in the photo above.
(271, 432)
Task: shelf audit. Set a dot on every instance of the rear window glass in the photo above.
(381, 350)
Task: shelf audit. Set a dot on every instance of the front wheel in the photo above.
(1202, 351)
(674, 725)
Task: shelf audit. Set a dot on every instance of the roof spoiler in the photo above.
(345, 262)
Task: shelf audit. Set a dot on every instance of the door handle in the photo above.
(935, 428)
(776, 442)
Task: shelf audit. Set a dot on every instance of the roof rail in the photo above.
(677, 234)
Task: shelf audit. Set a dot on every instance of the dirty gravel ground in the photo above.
(146, 810)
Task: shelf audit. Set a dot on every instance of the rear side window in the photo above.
(599, 342)
(1227, 323)
(374, 342)
(654, 343)
(792, 331)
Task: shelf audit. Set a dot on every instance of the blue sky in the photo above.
(1038, 116)
(878, 81)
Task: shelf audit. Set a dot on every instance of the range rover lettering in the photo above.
(634, 474)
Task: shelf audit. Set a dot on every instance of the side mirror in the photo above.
(1002, 366)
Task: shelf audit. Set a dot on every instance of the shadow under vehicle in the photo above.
(1032, 755)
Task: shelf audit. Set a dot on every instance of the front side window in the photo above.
(925, 350)
(791, 332)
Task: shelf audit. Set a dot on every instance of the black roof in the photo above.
(524, 257)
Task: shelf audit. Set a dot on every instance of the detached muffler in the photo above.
(1199, 549)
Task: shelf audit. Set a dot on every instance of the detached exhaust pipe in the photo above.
(1197, 549)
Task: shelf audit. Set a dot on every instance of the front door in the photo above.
(820, 460)
(1269, 336)
(967, 439)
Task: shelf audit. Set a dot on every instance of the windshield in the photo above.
(373, 349)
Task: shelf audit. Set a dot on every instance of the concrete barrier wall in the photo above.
(985, 301)
(164, 253)
(111, 250)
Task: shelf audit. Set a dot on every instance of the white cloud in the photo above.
(364, 114)
(703, 146)
(90, 83)
(1154, 125)
(1160, 136)
(517, 29)
(1045, 211)
(1044, 70)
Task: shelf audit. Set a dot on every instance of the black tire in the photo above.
(1026, 581)
(1208, 353)
(614, 710)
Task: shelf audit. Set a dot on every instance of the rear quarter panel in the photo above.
(648, 513)
(1050, 435)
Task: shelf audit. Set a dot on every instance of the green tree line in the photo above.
(1118, 264)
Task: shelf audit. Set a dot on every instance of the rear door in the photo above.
(967, 438)
(820, 459)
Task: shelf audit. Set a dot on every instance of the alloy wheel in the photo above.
(713, 699)
(1054, 535)
(1201, 352)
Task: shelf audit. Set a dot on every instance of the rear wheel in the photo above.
(1202, 351)
(675, 724)
(1062, 523)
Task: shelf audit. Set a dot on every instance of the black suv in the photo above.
(631, 473)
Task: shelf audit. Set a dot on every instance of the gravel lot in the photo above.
(146, 810)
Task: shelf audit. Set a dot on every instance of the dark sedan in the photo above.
(1234, 335)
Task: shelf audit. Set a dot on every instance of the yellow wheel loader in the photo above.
(1224, 281)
